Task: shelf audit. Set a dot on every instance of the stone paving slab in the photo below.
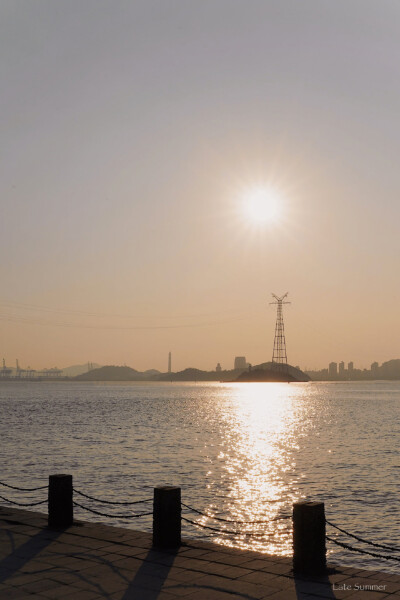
(96, 562)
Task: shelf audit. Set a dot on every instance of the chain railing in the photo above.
(111, 503)
(234, 532)
(364, 541)
(308, 518)
(23, 489)
(216, 518)
(226, 531)
(109, 516)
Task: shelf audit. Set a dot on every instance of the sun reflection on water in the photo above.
(262, 433)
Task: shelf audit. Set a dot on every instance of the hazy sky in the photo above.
(131, 131)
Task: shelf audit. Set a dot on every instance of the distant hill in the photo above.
(111, 373)
(390, 369)
(190, 374)
(295, 372)
(114, 373)
(262, 372)
(265, 375)
(270, 372)
(75, 370)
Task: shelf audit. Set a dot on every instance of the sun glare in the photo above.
(262, 206)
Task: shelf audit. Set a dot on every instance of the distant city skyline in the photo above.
(238, 362)
(165, 167)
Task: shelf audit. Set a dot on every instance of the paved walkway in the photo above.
(92, 561)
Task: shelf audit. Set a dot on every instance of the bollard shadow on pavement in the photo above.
(151, 575)
(21, 555)
(320, 587)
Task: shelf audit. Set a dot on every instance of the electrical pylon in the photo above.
(279, 357)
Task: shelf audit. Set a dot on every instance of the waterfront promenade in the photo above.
(90, 561)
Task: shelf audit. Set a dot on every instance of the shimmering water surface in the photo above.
(243, 451)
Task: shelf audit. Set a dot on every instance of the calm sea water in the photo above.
(243, 451)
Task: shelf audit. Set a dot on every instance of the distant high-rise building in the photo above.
(341, 368)
(240, 362)
(350, 367)
(169, 362)
(332, 369)
(374, 367)
(218, 368)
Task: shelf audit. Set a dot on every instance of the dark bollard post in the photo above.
(167, 517)
(60, 501)
(309, 550)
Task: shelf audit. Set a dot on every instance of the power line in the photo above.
(35, 307)
(30, 321)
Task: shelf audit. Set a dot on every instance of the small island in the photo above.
(273, 372)
(264, 372)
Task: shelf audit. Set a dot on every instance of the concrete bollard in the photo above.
(309, 550)
(61, 512)
(167, 517)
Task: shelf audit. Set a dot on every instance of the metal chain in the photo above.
(360, 539)
(23, 503)
(225, 531)
(110, 501)
(96, 512)
(13, 487)
(347, 547)
(231, 521)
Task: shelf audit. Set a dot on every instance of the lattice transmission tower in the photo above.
(279, 356)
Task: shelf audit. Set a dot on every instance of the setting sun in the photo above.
(262, 205)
